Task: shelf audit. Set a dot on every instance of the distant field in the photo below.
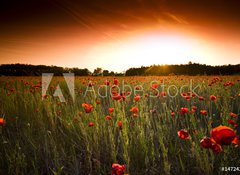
(152, 125)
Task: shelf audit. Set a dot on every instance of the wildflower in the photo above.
(216, 148)
(115, 82)
(187, 97)
(232, 122)
(116, 97)
(193, 95)
(138, 88)
(90, 124)
(183, 94)
(201, 98)
(107, 82)
(108, 117)
(110, 110)
(120, 124)
(235, 140)
(137, 98)
(154, 86)
(223, 135)
(117, 169)
(163, 94)
(98, 102)
(203, 112)
(134, 110)
(183, 134)
(233, 114)
(2, 121)
(206, 142)
(213, 98)
(123, 95)
(87, 107)
(184, 110)
(90, 84)
(194, 108)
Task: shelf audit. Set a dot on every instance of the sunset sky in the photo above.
(119, 34)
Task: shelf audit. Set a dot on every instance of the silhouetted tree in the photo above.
(105, 73)
(98, 71)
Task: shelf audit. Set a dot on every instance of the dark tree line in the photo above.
(183, 69)
(37, 70)
(32, 70)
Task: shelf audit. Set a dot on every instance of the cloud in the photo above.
(175, 18)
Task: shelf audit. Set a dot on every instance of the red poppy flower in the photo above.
(233, 114)
(138, 88)
(203, 112)
(183, 134)
(228, 83)
(110, 110)
(235, 141)
(206, 142)
(184, 110)
(193, 95)
(90, 84)
(108, 117)
(183, 94)
(87, 107)
(117, 169)
(194, 108)
(90, 124)
(116, 97)
(98, 102)
(213, 98)
(173, 114)
(216, 148)
(134, 110)
(232, 122)
(187, 97)
(2, 121)
(163, 94)
(115, 81)
(137, 98)
(120, 124)
(154, 86)
(107, 82)
(223, 135)
(123, 95)
(201, 98)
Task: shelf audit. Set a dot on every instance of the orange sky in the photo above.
(118, 35)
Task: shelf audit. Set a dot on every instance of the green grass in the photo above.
(50, 137)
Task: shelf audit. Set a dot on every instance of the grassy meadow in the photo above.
(141, 130)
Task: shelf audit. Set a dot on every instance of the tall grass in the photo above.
(51, 137)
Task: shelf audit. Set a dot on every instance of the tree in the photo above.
(98, 71)
(105, 73)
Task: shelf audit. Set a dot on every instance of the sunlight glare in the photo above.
(148, 50)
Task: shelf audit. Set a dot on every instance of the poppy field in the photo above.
(120, 125)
